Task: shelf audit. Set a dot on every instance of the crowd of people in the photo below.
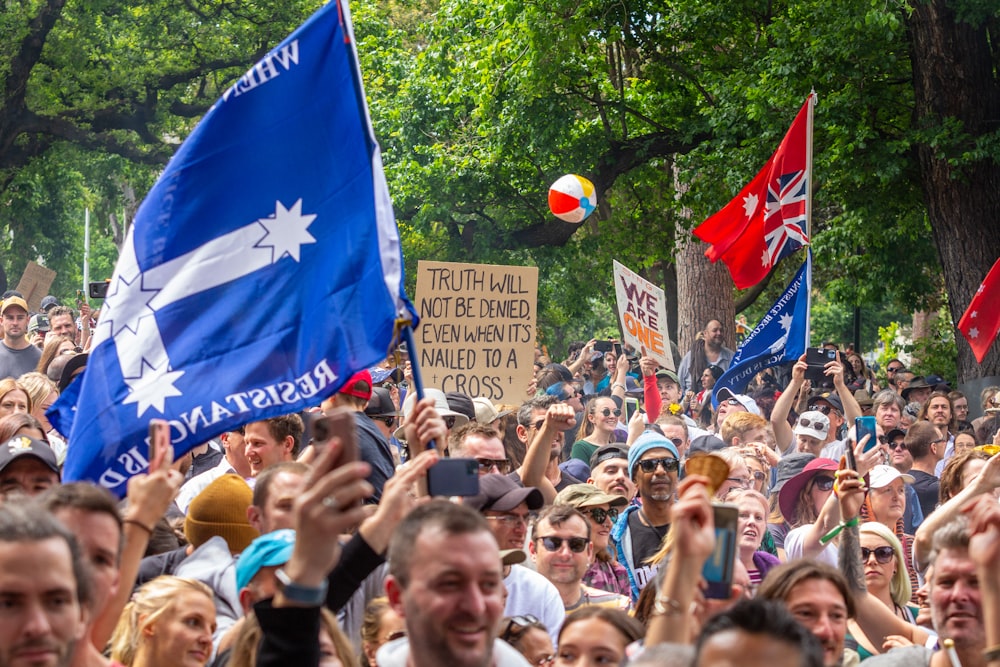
(592, 538)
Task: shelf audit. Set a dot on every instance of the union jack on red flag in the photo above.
(769, 218)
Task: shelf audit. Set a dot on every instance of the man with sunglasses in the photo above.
(507, 508)
(653, 463)
(541, 426)
(481, 442)
(891, 368)
(561, 548)
(602, 510)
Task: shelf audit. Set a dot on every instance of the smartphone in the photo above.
(603, 346)
(337, 423)
(817, 358)
(98, 290)
(453, 477)
(866, 426)
(631, 407)
(852, 463)
(618, 349)
(718, 569)
(159, 437)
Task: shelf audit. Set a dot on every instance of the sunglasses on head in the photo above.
(517, 625)
(576, 544)
(649, 465)
(818, 425)
(882, 554)
(823, 483)
(599, 514)
(731, 401)
(825, 409)
(487, 465)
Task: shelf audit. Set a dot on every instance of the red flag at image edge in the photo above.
(768, 219)
(981, 320)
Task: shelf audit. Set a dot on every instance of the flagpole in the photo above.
(809, 162)
(406, 333)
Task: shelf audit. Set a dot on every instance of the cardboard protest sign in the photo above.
(34, 285)
(643, 315)
(477, 328)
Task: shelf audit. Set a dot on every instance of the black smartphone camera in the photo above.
(817, 358)
(98, 290)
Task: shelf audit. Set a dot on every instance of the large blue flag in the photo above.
(782, 335)
(263, 268)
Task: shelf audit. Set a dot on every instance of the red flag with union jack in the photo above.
(981, 320)
(769, 218)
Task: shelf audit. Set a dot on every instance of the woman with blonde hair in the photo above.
(169, 621)
(381, 624)
(13, 398)
(751, 530)
(54, 346)
(886, 577)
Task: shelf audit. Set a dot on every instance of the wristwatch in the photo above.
(304, 595)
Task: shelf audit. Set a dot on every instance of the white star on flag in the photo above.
(287, 231)
(973, 332)
(973, 314)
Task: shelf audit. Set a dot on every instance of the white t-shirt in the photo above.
(793, 547)
(530, 593)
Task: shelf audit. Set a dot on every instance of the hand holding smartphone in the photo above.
(718, 569)
(337, 423)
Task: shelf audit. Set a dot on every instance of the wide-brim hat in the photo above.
(788, 496)
(440, 404)
(587, 495)
(916, 383)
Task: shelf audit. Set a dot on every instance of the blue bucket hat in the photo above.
(645, 442)
(268, 550)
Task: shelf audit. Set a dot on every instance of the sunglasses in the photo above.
(553, 544)
(398, 634)
(744, 482)
(388, 421)
(759, 476)
(599, 515)
(825, 409)
(537, 425)
(731, 401)
(898, 445)
(818, 425)
(894, 369)
(649, 465)
(517, 625)
(449, 421)
(882, 554)
(486, 465)
(607, 412)
(823, 483)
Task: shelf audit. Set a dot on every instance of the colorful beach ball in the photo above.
(572, 198)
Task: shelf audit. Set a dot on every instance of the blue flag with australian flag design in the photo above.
(263, 269)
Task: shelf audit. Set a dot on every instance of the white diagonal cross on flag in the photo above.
(135, 296)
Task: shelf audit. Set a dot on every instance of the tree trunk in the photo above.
(954, 79)
(704, 290)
